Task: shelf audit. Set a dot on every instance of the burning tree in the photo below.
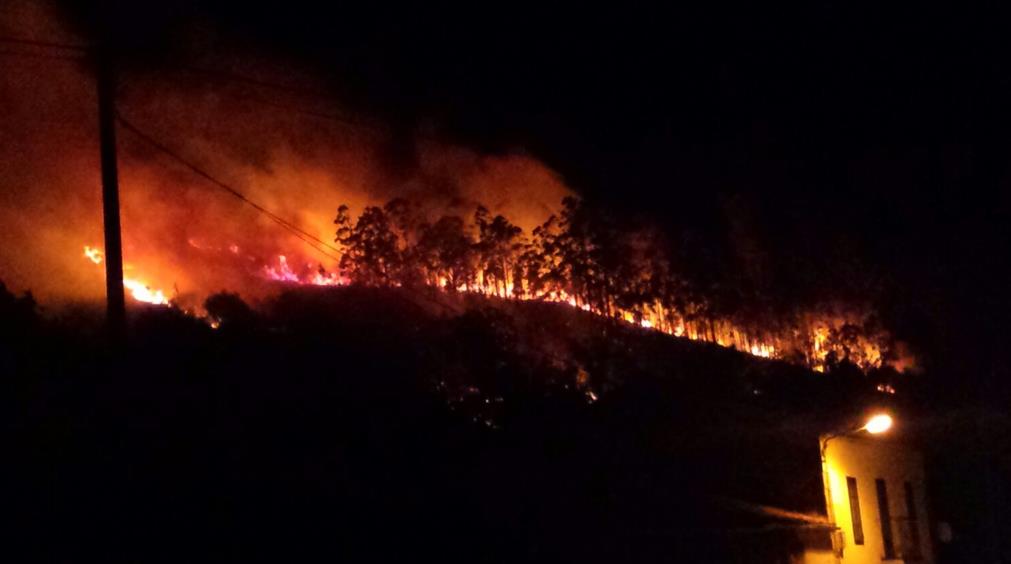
(498, 248)
(371, 254)
(588, 259)
(585, 258)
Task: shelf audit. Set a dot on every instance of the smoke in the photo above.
(260, 125)
(49, 196)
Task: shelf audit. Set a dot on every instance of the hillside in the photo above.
(328, 417)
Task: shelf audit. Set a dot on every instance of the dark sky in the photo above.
(881, 132)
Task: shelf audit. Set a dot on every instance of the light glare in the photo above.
(878, 424)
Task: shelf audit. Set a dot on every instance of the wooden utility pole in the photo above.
(116, 301)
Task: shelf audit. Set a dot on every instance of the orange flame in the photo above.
(138, 290)
(725, 336)
(814, 340)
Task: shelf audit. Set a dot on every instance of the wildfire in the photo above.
(564, 263)
(721, 333)
(144, 293)
(139, 290)
(317, 277)
(93, 254)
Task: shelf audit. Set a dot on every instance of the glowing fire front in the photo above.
(137, 289)
(567, 260)
(817, 345)
(656, 318)
(318, 277)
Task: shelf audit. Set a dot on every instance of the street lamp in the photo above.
(878, 424)
(875, 425)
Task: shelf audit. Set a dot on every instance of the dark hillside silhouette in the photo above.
(368, 424)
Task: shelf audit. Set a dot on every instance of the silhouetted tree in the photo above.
(371, 249)
(406, 223)
(446, 251)
(612, 266)
(229, 311)
(18, 315)
(498, 247)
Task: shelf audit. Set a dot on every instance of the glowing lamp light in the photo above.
(878, 424)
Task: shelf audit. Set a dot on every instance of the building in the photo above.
(876, 497)
(873, 506)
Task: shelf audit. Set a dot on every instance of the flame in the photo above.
(139, 290)
(143, 293)
(93, 254)
(763, 350)
(284, 273)
(311, 183)
(886, 389)
(816, 340)
(723, 335)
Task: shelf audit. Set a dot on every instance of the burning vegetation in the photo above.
(580, 257)
(584, 258)
(455, 220)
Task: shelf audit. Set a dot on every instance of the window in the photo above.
(886, 519)
(911, 519)
(858, 525)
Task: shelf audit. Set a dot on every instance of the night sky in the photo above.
(850, 135)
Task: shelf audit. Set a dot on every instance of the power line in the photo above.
(46, 56)
(306, 237)
(251, 95)
(223, 75)
(228, 76)
(313, 113)
(41, 43)
(231, 76)
(317, 244)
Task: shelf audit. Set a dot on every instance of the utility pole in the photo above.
(116, 301)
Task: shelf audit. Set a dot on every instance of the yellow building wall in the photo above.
(868, 459)
(816, 557)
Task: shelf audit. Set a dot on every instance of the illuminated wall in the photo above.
(884, 480)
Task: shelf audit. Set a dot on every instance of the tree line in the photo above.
(593, 260)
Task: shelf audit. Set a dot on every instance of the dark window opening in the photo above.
(858, 525)
(912, 522)
(886, 519)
